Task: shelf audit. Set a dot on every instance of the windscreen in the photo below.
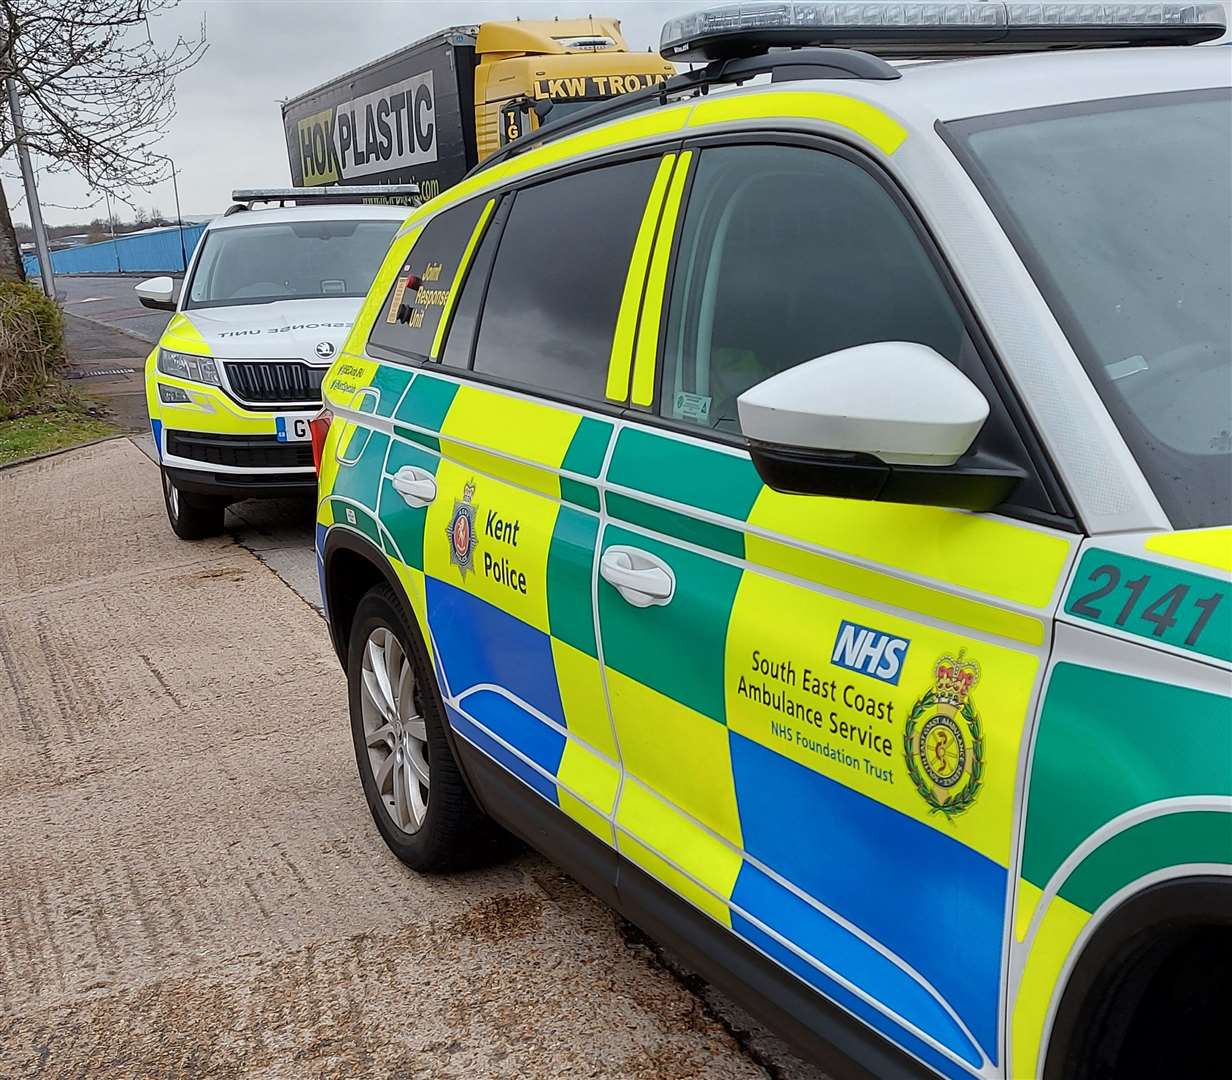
(1122, 211)
(288, 260)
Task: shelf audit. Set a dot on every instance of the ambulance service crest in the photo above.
(462, 530)
(943, 739)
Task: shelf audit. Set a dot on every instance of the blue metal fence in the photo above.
(155, 251)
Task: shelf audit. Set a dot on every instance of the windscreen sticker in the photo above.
(395, 299)
(694, 407)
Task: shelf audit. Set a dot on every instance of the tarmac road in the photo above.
(110, 299)
(190, 884)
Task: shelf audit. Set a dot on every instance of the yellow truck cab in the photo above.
(529, 72)
(798, 500)
(427, 113)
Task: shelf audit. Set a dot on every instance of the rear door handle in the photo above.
(416, 486)
(644, 580)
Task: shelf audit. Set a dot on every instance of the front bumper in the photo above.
(235, 487)
(212, 445)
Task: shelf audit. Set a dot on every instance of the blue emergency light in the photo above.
(931, 28)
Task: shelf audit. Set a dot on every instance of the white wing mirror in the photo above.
(157, 292)
(891, 420)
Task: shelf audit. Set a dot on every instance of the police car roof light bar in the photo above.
(929, 28)
(781, 66)
(335, 194)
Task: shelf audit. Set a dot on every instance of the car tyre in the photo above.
(192, 517)
(413, 786)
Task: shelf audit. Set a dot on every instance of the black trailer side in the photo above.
(408, 117)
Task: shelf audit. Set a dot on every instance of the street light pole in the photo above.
(27, 179)
(179, 218)
(111, 230)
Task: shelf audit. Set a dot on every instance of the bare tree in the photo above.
(96, 92)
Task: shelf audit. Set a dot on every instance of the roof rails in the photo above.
(785, 66)
(244, 198)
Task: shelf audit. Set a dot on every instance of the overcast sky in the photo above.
(228, 131)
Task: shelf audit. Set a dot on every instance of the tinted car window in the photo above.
(559, 275)
(788, 254)
(460, 336)
(1121, 210)
(409, 320)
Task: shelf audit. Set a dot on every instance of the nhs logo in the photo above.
(870, 652)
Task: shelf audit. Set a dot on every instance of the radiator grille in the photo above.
(240, 451)
(271, 382)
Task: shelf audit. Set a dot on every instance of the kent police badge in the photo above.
(943, 740)
(462, 531)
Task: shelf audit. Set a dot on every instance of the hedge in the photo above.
(31, 346)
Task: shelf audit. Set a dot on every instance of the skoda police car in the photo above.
(825, 553)
(266, 303)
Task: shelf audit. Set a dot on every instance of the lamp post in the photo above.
(111, 229)
(179, 218)
(27, 177)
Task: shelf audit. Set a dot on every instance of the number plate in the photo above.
(292, 428)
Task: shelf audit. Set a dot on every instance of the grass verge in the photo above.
(53, 428)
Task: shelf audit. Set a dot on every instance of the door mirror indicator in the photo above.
(157, 292)
(892, 421)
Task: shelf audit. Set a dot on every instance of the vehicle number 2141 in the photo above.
(1190, 611)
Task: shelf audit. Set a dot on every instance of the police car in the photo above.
(267, 302)
(824, 554)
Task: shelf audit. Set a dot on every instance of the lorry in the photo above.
(429, 112)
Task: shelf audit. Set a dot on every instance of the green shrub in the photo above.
(31, 346)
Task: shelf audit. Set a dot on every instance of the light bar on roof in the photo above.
(334, 193)
(934, 28)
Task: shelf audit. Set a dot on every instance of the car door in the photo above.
(820, 703)
(490, 483)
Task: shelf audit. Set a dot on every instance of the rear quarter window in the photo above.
(411, 316)
(556, 285)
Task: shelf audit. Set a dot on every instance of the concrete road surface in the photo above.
(190, 883)
(278, 532)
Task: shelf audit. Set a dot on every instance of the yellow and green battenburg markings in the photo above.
(656, 664)
(686, 833)
(1099, 754)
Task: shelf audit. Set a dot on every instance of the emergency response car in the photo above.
(267, 302)
(825, 552)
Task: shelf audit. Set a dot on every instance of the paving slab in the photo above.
(190, 884)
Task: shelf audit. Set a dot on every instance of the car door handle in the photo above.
(416, 486)
(644, 580)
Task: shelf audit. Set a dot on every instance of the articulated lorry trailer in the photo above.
(429, 112)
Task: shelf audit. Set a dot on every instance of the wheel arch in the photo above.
(1129, 936)
(351, 566)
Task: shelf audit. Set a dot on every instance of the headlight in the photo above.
(200, 369)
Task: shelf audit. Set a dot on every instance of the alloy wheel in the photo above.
(394, 730)
(173, 496)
